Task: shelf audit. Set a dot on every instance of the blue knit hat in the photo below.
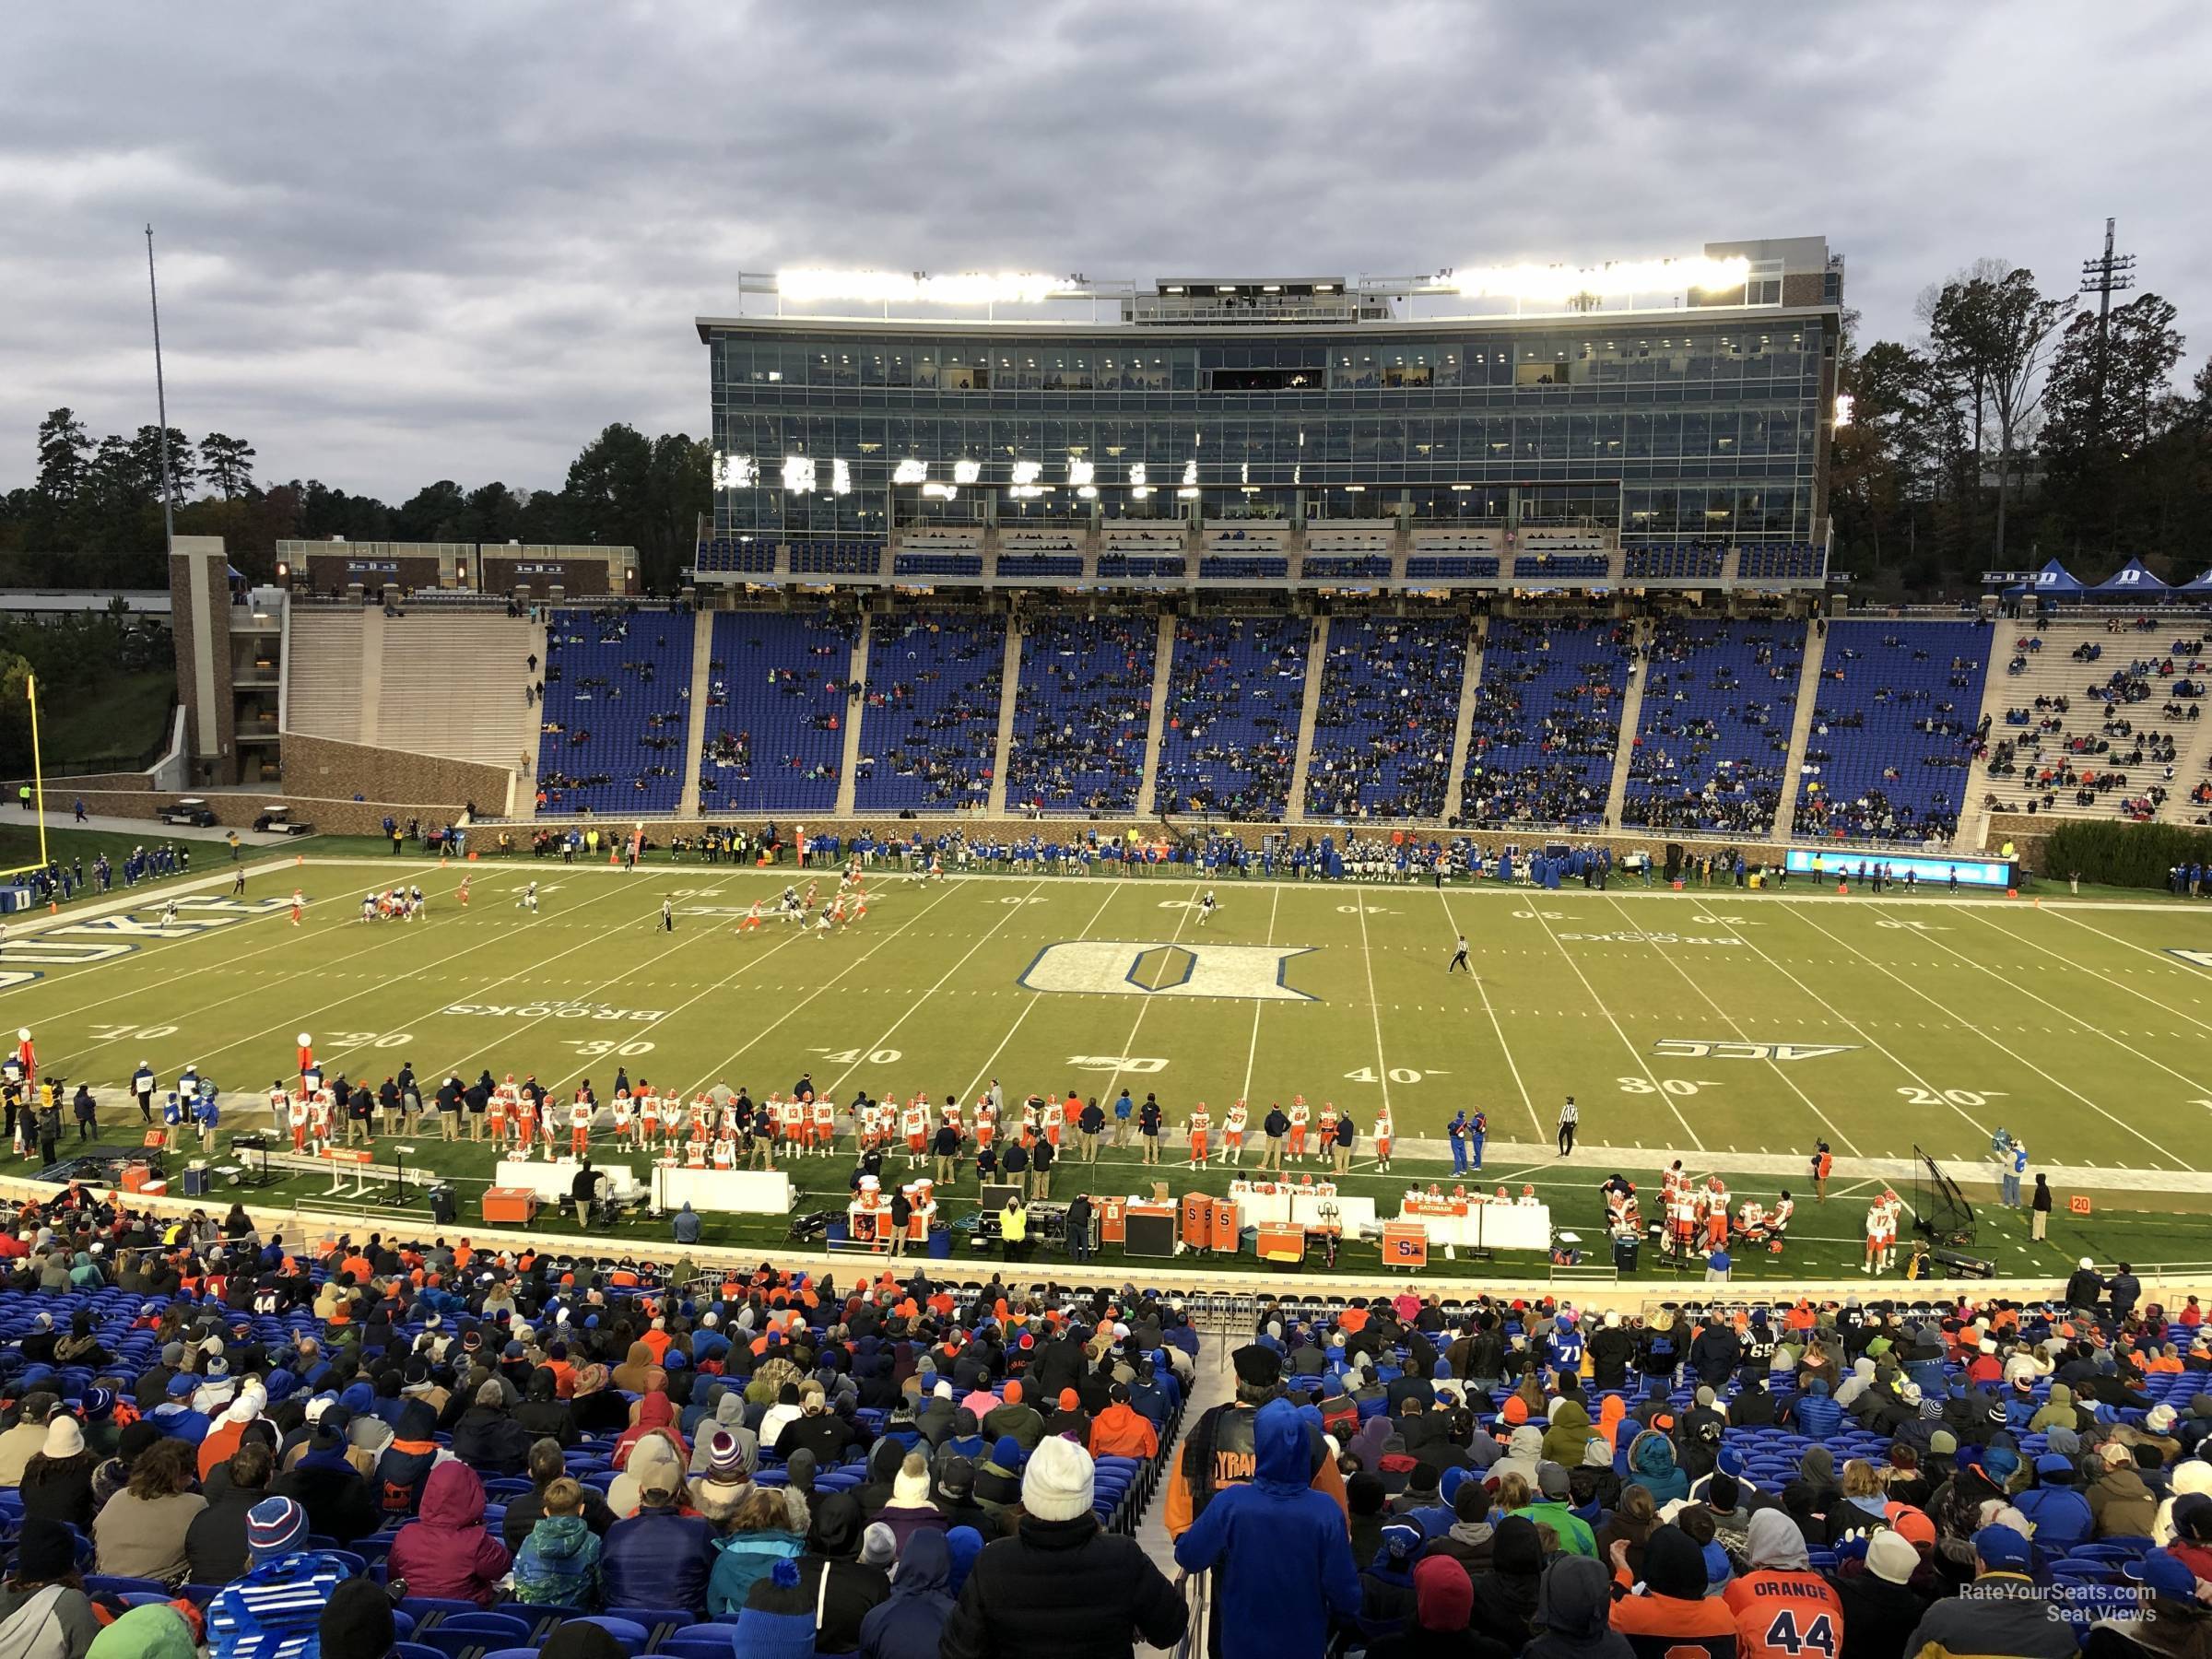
(274, 1526)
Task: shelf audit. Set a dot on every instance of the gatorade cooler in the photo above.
(1227, 1226)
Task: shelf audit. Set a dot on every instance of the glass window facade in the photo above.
(1670, 427)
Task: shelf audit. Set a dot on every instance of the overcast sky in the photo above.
(402, 242)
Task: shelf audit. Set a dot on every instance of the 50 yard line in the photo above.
(1251, 1054)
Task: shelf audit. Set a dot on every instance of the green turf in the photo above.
(2073, 1027)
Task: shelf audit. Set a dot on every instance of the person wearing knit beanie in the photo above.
(1891, 1557)
(878, 1546)
(1444, 1596)
(1057, 1483)
(274, 1529)
(64, 1438)
(777, 1621)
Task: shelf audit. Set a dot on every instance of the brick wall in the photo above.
(323, 769)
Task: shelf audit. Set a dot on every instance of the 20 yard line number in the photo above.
(1950, 1097)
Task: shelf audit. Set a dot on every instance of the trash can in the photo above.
(940, 1243)
(1626, 1247)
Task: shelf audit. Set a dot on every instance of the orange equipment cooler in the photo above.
(513, 1207)
(1198, 1220)
(1405, 1244)
(1281, 1241)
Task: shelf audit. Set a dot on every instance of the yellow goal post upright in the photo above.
(38, 782)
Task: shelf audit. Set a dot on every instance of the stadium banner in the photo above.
(1934, 871)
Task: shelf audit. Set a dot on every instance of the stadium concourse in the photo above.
(273, 1432)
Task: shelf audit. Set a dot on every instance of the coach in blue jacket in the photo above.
(1281, 1558)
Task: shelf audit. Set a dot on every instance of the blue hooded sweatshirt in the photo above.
(1282, 1556)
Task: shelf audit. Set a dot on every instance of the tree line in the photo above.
(92, 514)
(2015, 428)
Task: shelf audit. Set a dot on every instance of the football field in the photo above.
(1730, 1029)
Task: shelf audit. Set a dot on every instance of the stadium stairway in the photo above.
(1212, 1384)
(1463, 727)
(2191, 765)
(1801, 731)
(1317, 658)
(1163, 670)
(452, 687)
(372, 670)
(1631, 719)
(323, 672)
(695, 724)
(857, 673)
(1010, 694)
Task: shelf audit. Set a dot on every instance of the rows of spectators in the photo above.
(1383, 723)
(1084, 714)
(1547, 720)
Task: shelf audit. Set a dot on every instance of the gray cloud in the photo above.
(406, 243)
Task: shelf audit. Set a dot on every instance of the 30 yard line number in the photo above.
(1673, 1086)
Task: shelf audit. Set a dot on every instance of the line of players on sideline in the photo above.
(1696, 1217)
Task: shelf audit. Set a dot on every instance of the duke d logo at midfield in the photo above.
(1126, 968)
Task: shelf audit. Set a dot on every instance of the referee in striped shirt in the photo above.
(1570, 1115)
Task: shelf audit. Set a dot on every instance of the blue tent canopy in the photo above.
(2053, 578)
(2132, 578)
(2203, 585)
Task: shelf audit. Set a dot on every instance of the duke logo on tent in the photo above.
(1125, 968)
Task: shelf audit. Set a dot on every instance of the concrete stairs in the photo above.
(1631, 715)
(1212, 1384)
(849, 768)
(1163, 669)
(1317, 657)
(1801, 731)
(1010, 694)
(372, 671)
(322, 673)
(2192, 766)
(1463, 728)
(695, 721)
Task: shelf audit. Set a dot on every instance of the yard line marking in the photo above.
(2114, 938)
(1634, 1053)
(989, 934)
(1145, 1006)
(1035, 997)
(1864, 1030)
(1252, 1054)
(1510, 1063)
(2017, 1058)
(1772, 1065)
(1374, 1010)
(452, 1069)
(735, 1055)
(2067, 1013)
(293, 1023)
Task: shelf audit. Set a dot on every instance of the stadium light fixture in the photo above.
(798, 473)
(940, 492)
(735, 472)
(805, 283)
(1080, 472)
(911, 471)
(1024, 478)
(967, 472)
(1139, 481)
(1559, 283)
(840, 477)
(1843, 408)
